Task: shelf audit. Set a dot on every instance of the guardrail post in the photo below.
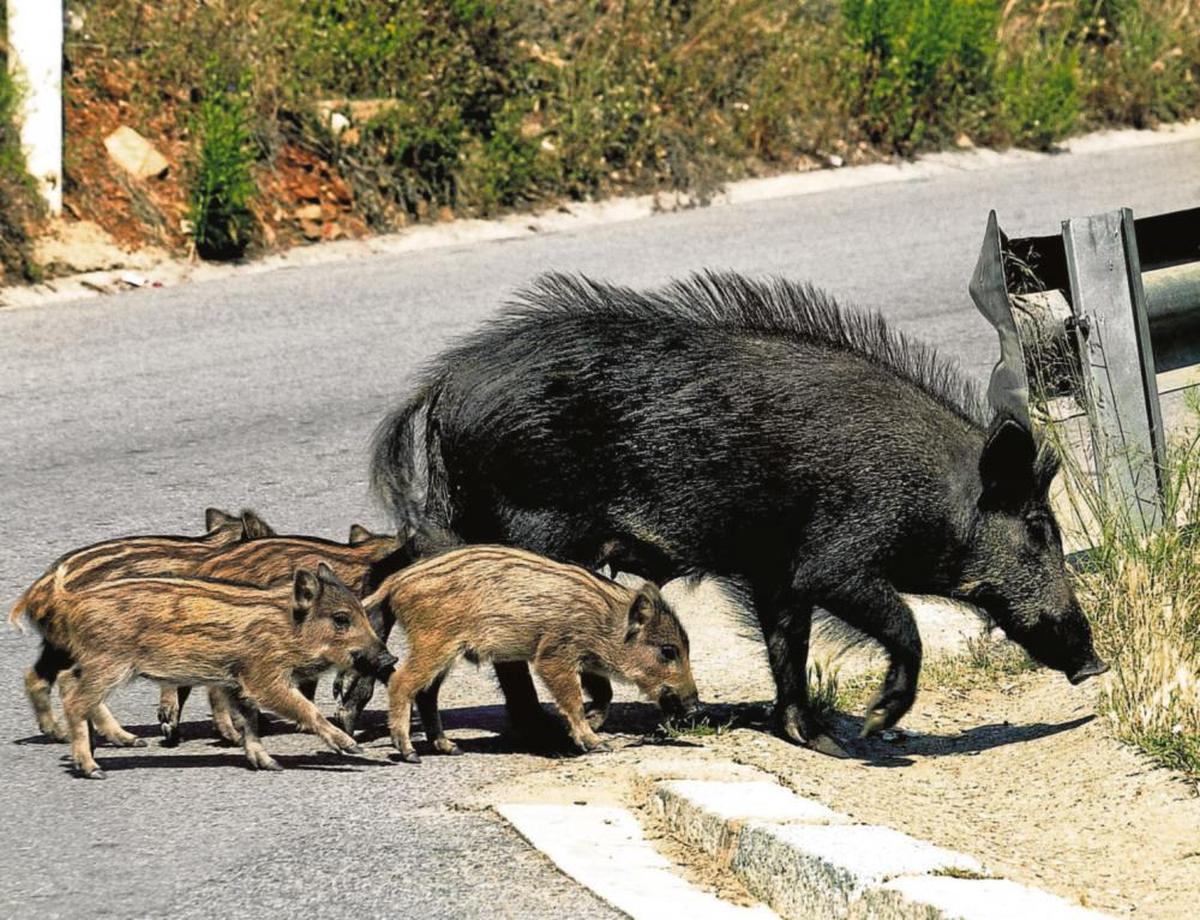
(35, 50)
(1109, 305)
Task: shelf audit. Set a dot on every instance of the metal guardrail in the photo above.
(1107, 313)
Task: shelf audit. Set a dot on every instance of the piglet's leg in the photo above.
(102, 718)
(256, 754)
(431, 718)
(283, 699)
(226, 718)
(424, 666)
(82, 696)
(599, 688)
(562, 680)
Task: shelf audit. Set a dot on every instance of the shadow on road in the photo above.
(112, 761)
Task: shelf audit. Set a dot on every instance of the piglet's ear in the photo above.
(359, 534)
(640, 611)
(306, 589)
(215, 517)
(1006, 467)
(255, 527)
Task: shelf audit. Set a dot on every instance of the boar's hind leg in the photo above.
(525, 712)
(431, 717)
(876, 609)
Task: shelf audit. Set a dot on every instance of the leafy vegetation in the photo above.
(222, 184)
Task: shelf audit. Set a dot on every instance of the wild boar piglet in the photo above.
(125, 557)
(499, 604)
(266, 562)
(254, 643)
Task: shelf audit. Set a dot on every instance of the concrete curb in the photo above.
(805, 860)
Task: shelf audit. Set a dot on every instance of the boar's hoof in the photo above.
(877, 720)
(827, 745)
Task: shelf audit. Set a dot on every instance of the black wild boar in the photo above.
(496, 603)
(121, 558)
(750, 430)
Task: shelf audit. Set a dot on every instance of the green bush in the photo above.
(1039, 101)
(221, 179)
(913, 66)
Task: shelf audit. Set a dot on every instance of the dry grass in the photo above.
(1142, 594)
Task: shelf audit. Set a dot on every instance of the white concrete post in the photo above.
(35, 51)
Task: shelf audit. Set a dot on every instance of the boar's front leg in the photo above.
(525, 712)
(786, 620)
(875, 608)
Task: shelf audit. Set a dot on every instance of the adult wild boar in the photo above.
(750, 430)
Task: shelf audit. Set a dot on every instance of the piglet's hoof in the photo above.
(410, 757)
(447, 747)
(96, 773)
(137, 742)
(353, 749)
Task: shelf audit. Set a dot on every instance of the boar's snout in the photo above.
(1094, 667)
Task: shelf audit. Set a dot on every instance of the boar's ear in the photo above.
(255, 527)
(306, 589)
(359, 534)
(215, 517)
(640, 611)
(1006, 466)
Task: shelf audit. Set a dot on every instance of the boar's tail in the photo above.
(407, 472)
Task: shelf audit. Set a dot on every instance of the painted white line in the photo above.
(605, 850)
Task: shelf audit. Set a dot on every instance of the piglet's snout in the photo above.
(678, 707)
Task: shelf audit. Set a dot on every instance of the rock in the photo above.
(338, 123)
(964, 142)
(136, 155)
(836, 161)
(309, 212)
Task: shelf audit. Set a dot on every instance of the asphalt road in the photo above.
(130, 414)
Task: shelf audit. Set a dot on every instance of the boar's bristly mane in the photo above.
(772, 306)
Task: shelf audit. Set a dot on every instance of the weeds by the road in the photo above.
(471, 107)
(987, 661)
(1142, 594)
(221, 185)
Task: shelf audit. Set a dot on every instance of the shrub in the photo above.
(913, 67)
(222, 183)
(1039, 101)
